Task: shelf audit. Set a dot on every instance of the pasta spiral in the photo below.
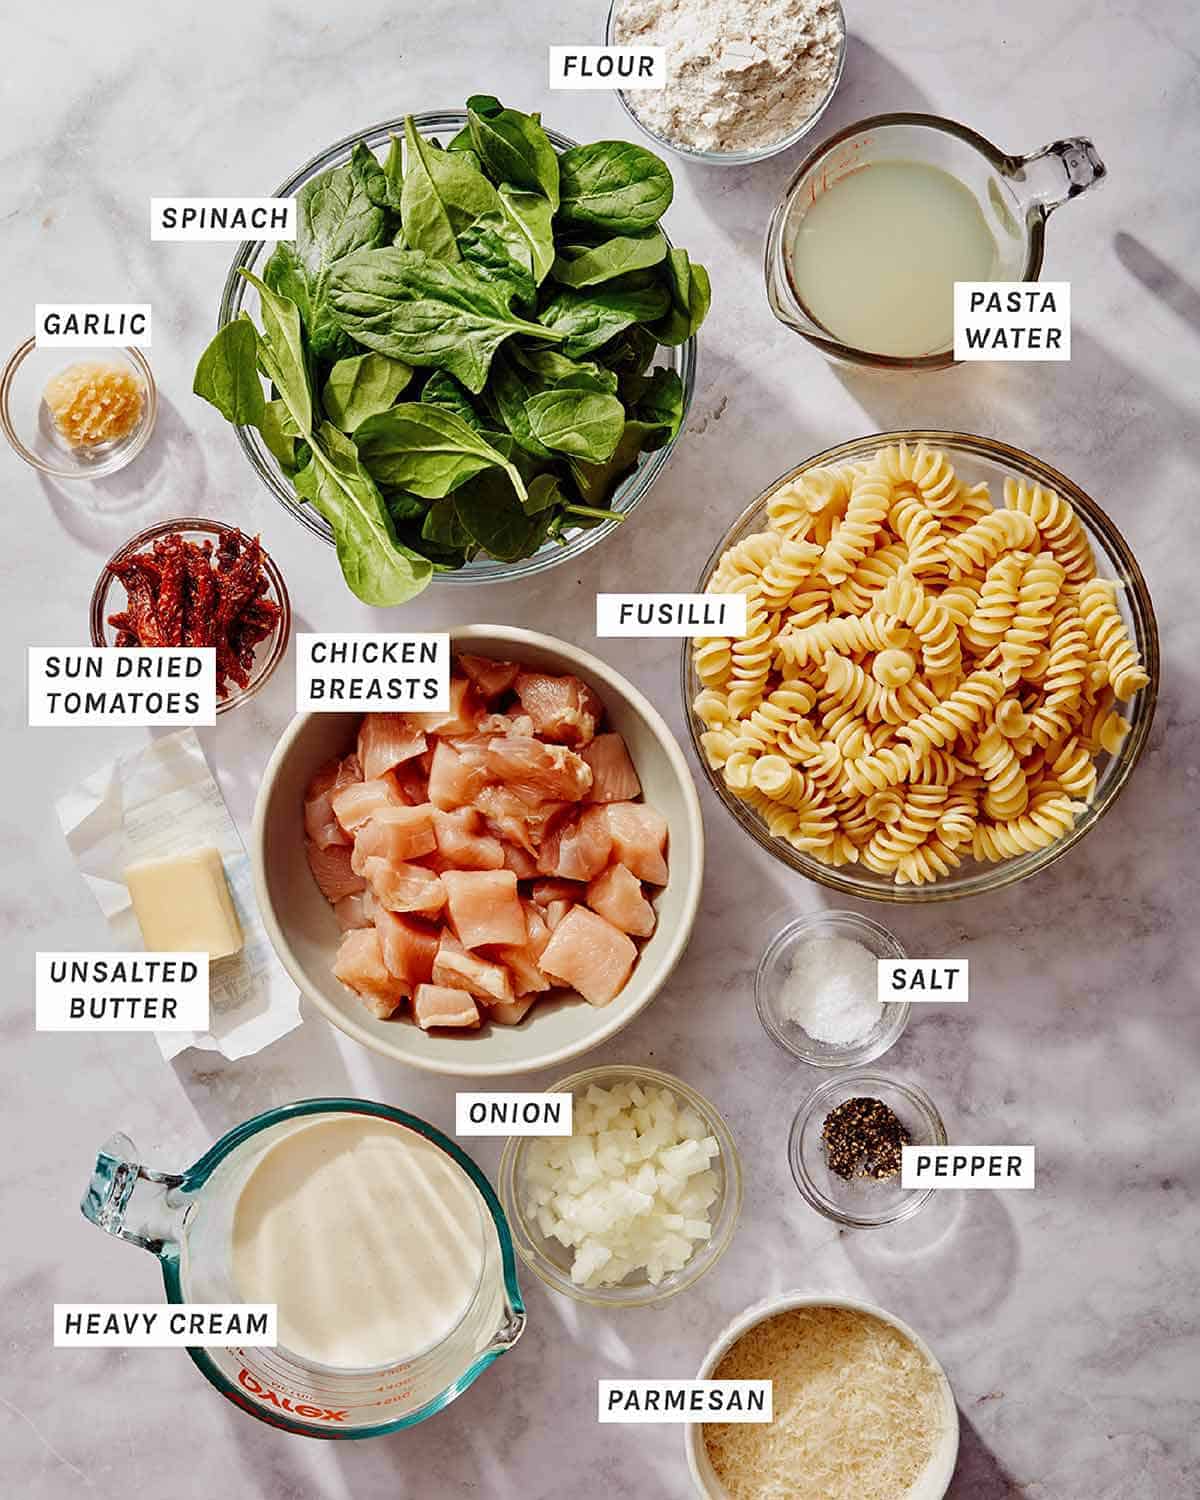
(1106, 630)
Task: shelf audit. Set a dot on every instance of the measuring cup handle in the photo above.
(128, 1200)
(1050, 177)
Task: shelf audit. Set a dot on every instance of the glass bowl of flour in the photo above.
(745, 79)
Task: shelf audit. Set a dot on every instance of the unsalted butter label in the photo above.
(107, 685)
(967, 1167)
(230, 219)
(671, 614)
(122, 992)
(91, 325)
(1013, 320)
(944, 980)
(595, 67)
(496, 1113)
(685, 1401)
(151, 1325)
(348, 670)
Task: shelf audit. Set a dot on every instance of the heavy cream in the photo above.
(367, 1236)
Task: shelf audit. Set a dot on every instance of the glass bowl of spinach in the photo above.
(477, 353)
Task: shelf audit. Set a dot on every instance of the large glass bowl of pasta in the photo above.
(949, 669)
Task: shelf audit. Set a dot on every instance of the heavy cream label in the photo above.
(122, 992)
(1012, 320)
(967, 1167)
(231, 219)
(107, 685)
(684, 1401)
(676, 615)
(495, 1113)
(345, 670)
(150, 1325)
(608, 67)
(91, 325)
(945, 980)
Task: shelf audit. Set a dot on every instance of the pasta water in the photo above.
(876, 256)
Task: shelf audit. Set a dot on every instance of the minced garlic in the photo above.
(94, 403)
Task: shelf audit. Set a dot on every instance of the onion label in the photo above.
(943, 980)
(967, 1167)
(136, 685)
(608, 67)
(347, 671)
(497, 1113)
(684, 1401)
(1012, 320)
(122, 992)
(678, 615)
(153, 1325)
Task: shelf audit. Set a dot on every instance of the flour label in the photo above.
(608, 67)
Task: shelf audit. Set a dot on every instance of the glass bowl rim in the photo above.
(1007, 872)
(916, 1198)
(264, 668)
(749, 155)
(485, 570)
(898, 1012)
(639, 1294)
(122, 454)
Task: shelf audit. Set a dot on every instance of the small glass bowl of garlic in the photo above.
(638, 1202)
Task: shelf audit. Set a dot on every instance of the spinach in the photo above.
(630, 354)
(586, 320)
(545, 493)
(407, 305)
(428, 450)
(487, 248)
(553, 368)
(359, 387)
(588, 265)
(510, 390)
(530, 219)
(441, 389)
(513, 147)
(690, 299)
(496, 520)
(227, 373)
(444, 194)
(660, 404)
(596, 482)
(584, 424)
(281, 353)
(614, 186)
(443, 527)
(280, 434)
(385, 182)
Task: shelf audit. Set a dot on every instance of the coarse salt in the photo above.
(830, 990)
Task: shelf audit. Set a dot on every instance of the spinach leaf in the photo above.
(359, 387)
(385, 182)
(690, 299)
(545, 492)
(660, 404)
(495, 519)
(552, 368)
(530, 220)
(614, 185)
(284, 273)
(407, 305)
(584, 424)
(427, 449)
(513, 147)
(281, 353)
(597, 482)
(510, 390)
(402, 506)
(630, 354)
(227, 373)
(443, 527)
(443, 390)
(444, 193)
(485, 248)
(588, 265)
(377, 567)
(586, 320)
(280, 433)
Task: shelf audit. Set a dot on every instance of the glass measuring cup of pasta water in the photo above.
(382, 1244)
(881, 220)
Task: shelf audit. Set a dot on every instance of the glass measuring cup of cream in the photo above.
(881, 220)
(381, 1243)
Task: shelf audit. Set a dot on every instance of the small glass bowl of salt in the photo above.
(816, 990)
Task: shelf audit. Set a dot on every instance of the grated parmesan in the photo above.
(858, 1410)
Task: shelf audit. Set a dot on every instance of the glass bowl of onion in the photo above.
(637, 1132)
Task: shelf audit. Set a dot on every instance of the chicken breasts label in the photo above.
(349, 670)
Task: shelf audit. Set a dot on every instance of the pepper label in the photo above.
(967, 1167)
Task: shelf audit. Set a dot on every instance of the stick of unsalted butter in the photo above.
(183, 904)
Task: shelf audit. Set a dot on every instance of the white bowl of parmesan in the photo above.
(863, 1409)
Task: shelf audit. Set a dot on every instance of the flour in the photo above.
(741, 74)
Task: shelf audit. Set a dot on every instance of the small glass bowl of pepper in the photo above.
(231, 595)
(844, 1148)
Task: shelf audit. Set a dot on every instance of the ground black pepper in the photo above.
(862, 1138)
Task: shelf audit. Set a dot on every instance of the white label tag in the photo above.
(684, 1401)
(230, 219)
(514, 1114)
(91, 325)
(107, 685)
(943, 980)
(151, 1325)
(122, 992)
(1012, 320)
(676, 615)
(967, 1167)
(348, 670)
(608, 67)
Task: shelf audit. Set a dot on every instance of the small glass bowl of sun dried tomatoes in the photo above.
(194, 582)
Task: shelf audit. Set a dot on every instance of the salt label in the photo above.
(684, 1401)
(1012, 320)
(105, 686)
(967, 1167)
(945, 981)
(346, 670)
(121, 992)
(678, 615)
(608, 67)
(153, 1325)
(496, 1113)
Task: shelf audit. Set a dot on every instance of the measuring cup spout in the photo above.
(127, 1200)
(1047, 178)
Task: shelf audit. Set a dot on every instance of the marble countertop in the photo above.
(1067, 1318)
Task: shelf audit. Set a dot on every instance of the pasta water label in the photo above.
(122, 992)
(153, 1325)
(91, 325)
(228, 219)
(608, 67)
(944, 980)
(967, 1167)
(348, 670)
(685, 1401)
(676, 615)
(496, 1113)
(136, 685)
(1012, 320)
